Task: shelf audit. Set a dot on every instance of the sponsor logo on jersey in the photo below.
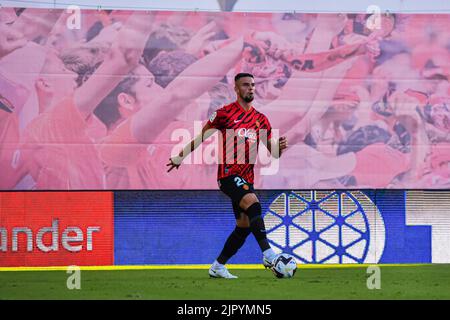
(250, 134)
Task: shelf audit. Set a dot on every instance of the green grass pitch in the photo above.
(397, 282)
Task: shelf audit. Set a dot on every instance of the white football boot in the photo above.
(268, 263)
(220, 272)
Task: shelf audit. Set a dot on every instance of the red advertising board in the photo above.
(56, 228)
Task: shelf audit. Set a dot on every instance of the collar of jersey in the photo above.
(239, 105)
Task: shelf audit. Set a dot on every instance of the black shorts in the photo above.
(236, 188)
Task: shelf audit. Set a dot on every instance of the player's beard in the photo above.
(248, 98)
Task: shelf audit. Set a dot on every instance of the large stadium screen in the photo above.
(363, 102)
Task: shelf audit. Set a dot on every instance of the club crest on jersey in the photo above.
(213, 116)
(257, 123)
(247, 133)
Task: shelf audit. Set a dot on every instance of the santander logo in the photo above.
(44, 228)
(72, 239)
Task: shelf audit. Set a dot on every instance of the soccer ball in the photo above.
(284, 266)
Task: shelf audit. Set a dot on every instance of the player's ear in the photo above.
(126, 101)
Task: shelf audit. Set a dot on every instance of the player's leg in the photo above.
(244, 200)
(234, 242)
(236, 239)
(251, 206)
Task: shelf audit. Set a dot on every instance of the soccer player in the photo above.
(235, 172)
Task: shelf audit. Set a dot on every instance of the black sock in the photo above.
(233, 244)
(257, 225)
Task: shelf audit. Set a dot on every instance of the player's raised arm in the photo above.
(195, 80)
(123, 57)
(176, 161)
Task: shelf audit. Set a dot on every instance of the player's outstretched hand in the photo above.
(174, 162)
(283, 144)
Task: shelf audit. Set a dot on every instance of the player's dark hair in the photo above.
(242, 75)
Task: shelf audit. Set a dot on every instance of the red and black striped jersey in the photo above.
(241, 131)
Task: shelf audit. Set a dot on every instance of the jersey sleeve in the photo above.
(218, 119)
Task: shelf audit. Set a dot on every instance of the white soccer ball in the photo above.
(284, 266)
